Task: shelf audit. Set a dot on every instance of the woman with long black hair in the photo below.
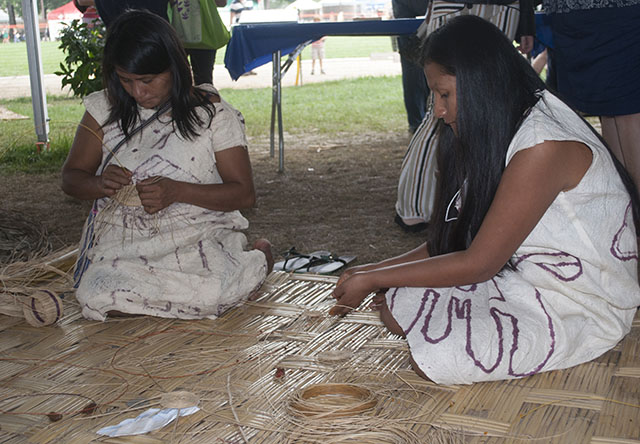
(418, 179)
(531, 262)
(167, 166)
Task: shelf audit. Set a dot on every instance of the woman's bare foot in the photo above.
(264, 245)
(386, 317)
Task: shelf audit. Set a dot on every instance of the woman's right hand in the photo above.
(350, 293)
(113, 178)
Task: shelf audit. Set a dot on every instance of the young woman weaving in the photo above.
(532, 262)
(168, 168)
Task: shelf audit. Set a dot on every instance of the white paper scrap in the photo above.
(152, 419)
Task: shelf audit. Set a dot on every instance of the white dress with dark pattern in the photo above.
(185, 261)
(572, 298)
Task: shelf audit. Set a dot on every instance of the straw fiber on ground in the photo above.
(280, 370)
(21, 239)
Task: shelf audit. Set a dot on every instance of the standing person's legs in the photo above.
(320, 57)
(414, 82)
(595, 58)
(314, 56)
(414, 87)
(622, 134)
(202, 61)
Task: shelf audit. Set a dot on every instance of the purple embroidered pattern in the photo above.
(564, 266)
(437, 313)
(627, 232)
(203, 256)
(183, 7)
(157, 165)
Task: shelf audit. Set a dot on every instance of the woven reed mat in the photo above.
(279, 370)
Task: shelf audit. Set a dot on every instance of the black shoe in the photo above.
(416, 228)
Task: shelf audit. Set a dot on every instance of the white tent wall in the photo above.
(56, 26)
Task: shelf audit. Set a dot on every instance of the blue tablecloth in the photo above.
(252, 45)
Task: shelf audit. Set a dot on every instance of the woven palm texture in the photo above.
(280, 370)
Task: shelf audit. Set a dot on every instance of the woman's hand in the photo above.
(235, 192)
(113, 178)
(157, 193)
(351, 292)
(349, 272)
(354, 285)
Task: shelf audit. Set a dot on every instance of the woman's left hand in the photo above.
(157, 193)
(351, 293)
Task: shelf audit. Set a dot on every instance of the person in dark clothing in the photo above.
(109, 10)
(414, 83)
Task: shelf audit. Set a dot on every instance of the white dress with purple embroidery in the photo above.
(572, 298)
(183, 262)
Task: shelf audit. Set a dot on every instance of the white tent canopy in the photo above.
(57, 18)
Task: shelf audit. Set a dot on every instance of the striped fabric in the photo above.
(504, 17)
(417, 183)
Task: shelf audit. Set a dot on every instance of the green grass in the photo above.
(13, 56)
(17, 137)
(353, 106)
(349, 106)
(340, 47)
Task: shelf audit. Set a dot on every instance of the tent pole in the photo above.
(38, 96)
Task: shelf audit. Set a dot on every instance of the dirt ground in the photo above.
(337, 193)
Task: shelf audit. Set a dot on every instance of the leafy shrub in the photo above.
(83, 45)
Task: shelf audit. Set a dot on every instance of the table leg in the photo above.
(276, 107)
(279, 110)
(276, 68)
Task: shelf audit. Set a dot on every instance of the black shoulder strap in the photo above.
(133, 132)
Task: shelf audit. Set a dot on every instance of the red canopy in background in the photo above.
(65, 12)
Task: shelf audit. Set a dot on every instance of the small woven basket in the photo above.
(332, 401)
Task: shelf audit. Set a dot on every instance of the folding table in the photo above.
(254, 44)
